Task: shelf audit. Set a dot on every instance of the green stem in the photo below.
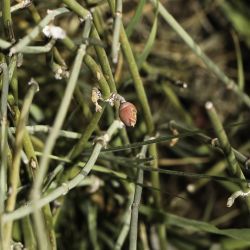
(116, 35)
(38, 49)
(137, 81)
(97, 72)
(36, 191)
(78, 8)
(126, 224)
(155, 179)
(7, 21)
(241, 77)
(104, 62)
(46, 129)
(4, 144)
(15, 170)
(224, 143)
(81, 144)
(28, 233)
(136, 204)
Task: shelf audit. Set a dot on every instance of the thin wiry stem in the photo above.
(136, 203)
(7, 21)
(36, 191)
(137, 81)
(116, 35)
(224, 143)
(15, 170)
(46, 129)
(4, 143)
(97, 72)
(126, 224)
(233, 164)
(38, 49)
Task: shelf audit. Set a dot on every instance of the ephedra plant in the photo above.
(124, 125)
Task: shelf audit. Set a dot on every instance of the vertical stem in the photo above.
(233, 164)
(103, 58)
(137, 81)
(126, 224)
(97, 72)
(78, 148)
(28, 233)
(136, 203)
(241, 77)
(117, 27)
(4, 143)
(36, 191)
(7, 21)
(15, 170)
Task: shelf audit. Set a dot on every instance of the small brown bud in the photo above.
(127, 113)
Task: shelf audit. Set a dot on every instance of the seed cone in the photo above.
(128, 114)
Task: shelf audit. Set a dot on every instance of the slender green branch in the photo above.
(137, 81)
(5, 90)
(136, 204)
(104, 61)
(7, 21)
(199, 53)
(155, 179)
(36, 191)
(28, 234)
(78, 8)
(233, 164)
(38, 49)
(62, 110)
(15, 170)
(126, 224)
(4, 144)
(46, 129)
(81, 144)
(117, 27)
(97, 72)
(4, 129)
(241, 78)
